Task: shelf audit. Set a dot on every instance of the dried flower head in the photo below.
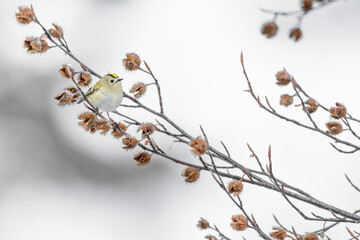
(269, 29)
(279, 234)
(191, 174)
(334, 128)
(142, 158)
(240, 223)
(295, 34)
(131, 62)
(138, 89)
(129, 142)
(89, 121)
(84, 79)
(338, 112)
(286, 100)
(56, 32)
(203, 224)
(66, 71)
(199, 146)
(117, 133)
(235, 187)
(35, 45)
(72, 89)
(283, 78)
(104, 126)
(211, 237)
(25, 15)
(64, 98)
(311, 105)
(310, 236)
(306, 4)
(146, 129)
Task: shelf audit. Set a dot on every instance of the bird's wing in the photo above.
(89, 92)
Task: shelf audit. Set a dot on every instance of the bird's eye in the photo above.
(112, 80)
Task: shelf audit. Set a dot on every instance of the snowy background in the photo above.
(58, 182)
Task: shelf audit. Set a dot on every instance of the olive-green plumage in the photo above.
(106, 94)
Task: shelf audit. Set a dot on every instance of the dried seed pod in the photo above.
(89, 121)
(138, 89)
(191, 174)
(146, 129)
(210, 237)
(310, 236)
(311, 105)
(129, 142)
(142, 158)
(104, 126)
(283, 78)
(35, 45)
(334, 128)
(117, 133)
(235, 187)
(199, 146)
(56, 32)
(338, 112)
(240, 223)
(306, 4)
(66, 71)
(203, 224)
(286, 100)
(25, 15)
(84, 79)
(279, 234)
(269, 29)
(131, 62)
(64, 98)
(295, 34)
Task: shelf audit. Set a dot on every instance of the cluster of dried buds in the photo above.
(283, 78)
(269, 29)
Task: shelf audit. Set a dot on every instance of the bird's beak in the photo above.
(119, 80)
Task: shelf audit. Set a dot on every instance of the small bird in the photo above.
(106, 94)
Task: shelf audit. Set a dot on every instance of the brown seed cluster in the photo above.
(311, 105)
(66, 71)
(56, 32)
(338, 112)
(138, 89)
(25, 15)
(191, 174)
(146, 129)
(310, 236)
(286, 100)
(142, 158)
(210, 237)
(35, 44)
(278, 234)
(306, 4)
(129, 142)
(203, 224)
(117, 133)
(269, 29)
(199, 146)
(89, 121)
(283, 78)
(240, 223)
(295, 34)
(104, 126)
(131, 62)
(84, 79)
(68, 96)
(334, 128)
(235, 187)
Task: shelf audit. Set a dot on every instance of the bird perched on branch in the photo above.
(106, 94)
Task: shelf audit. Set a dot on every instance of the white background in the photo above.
(57, 182)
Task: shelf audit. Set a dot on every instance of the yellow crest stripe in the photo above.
(113, 75)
